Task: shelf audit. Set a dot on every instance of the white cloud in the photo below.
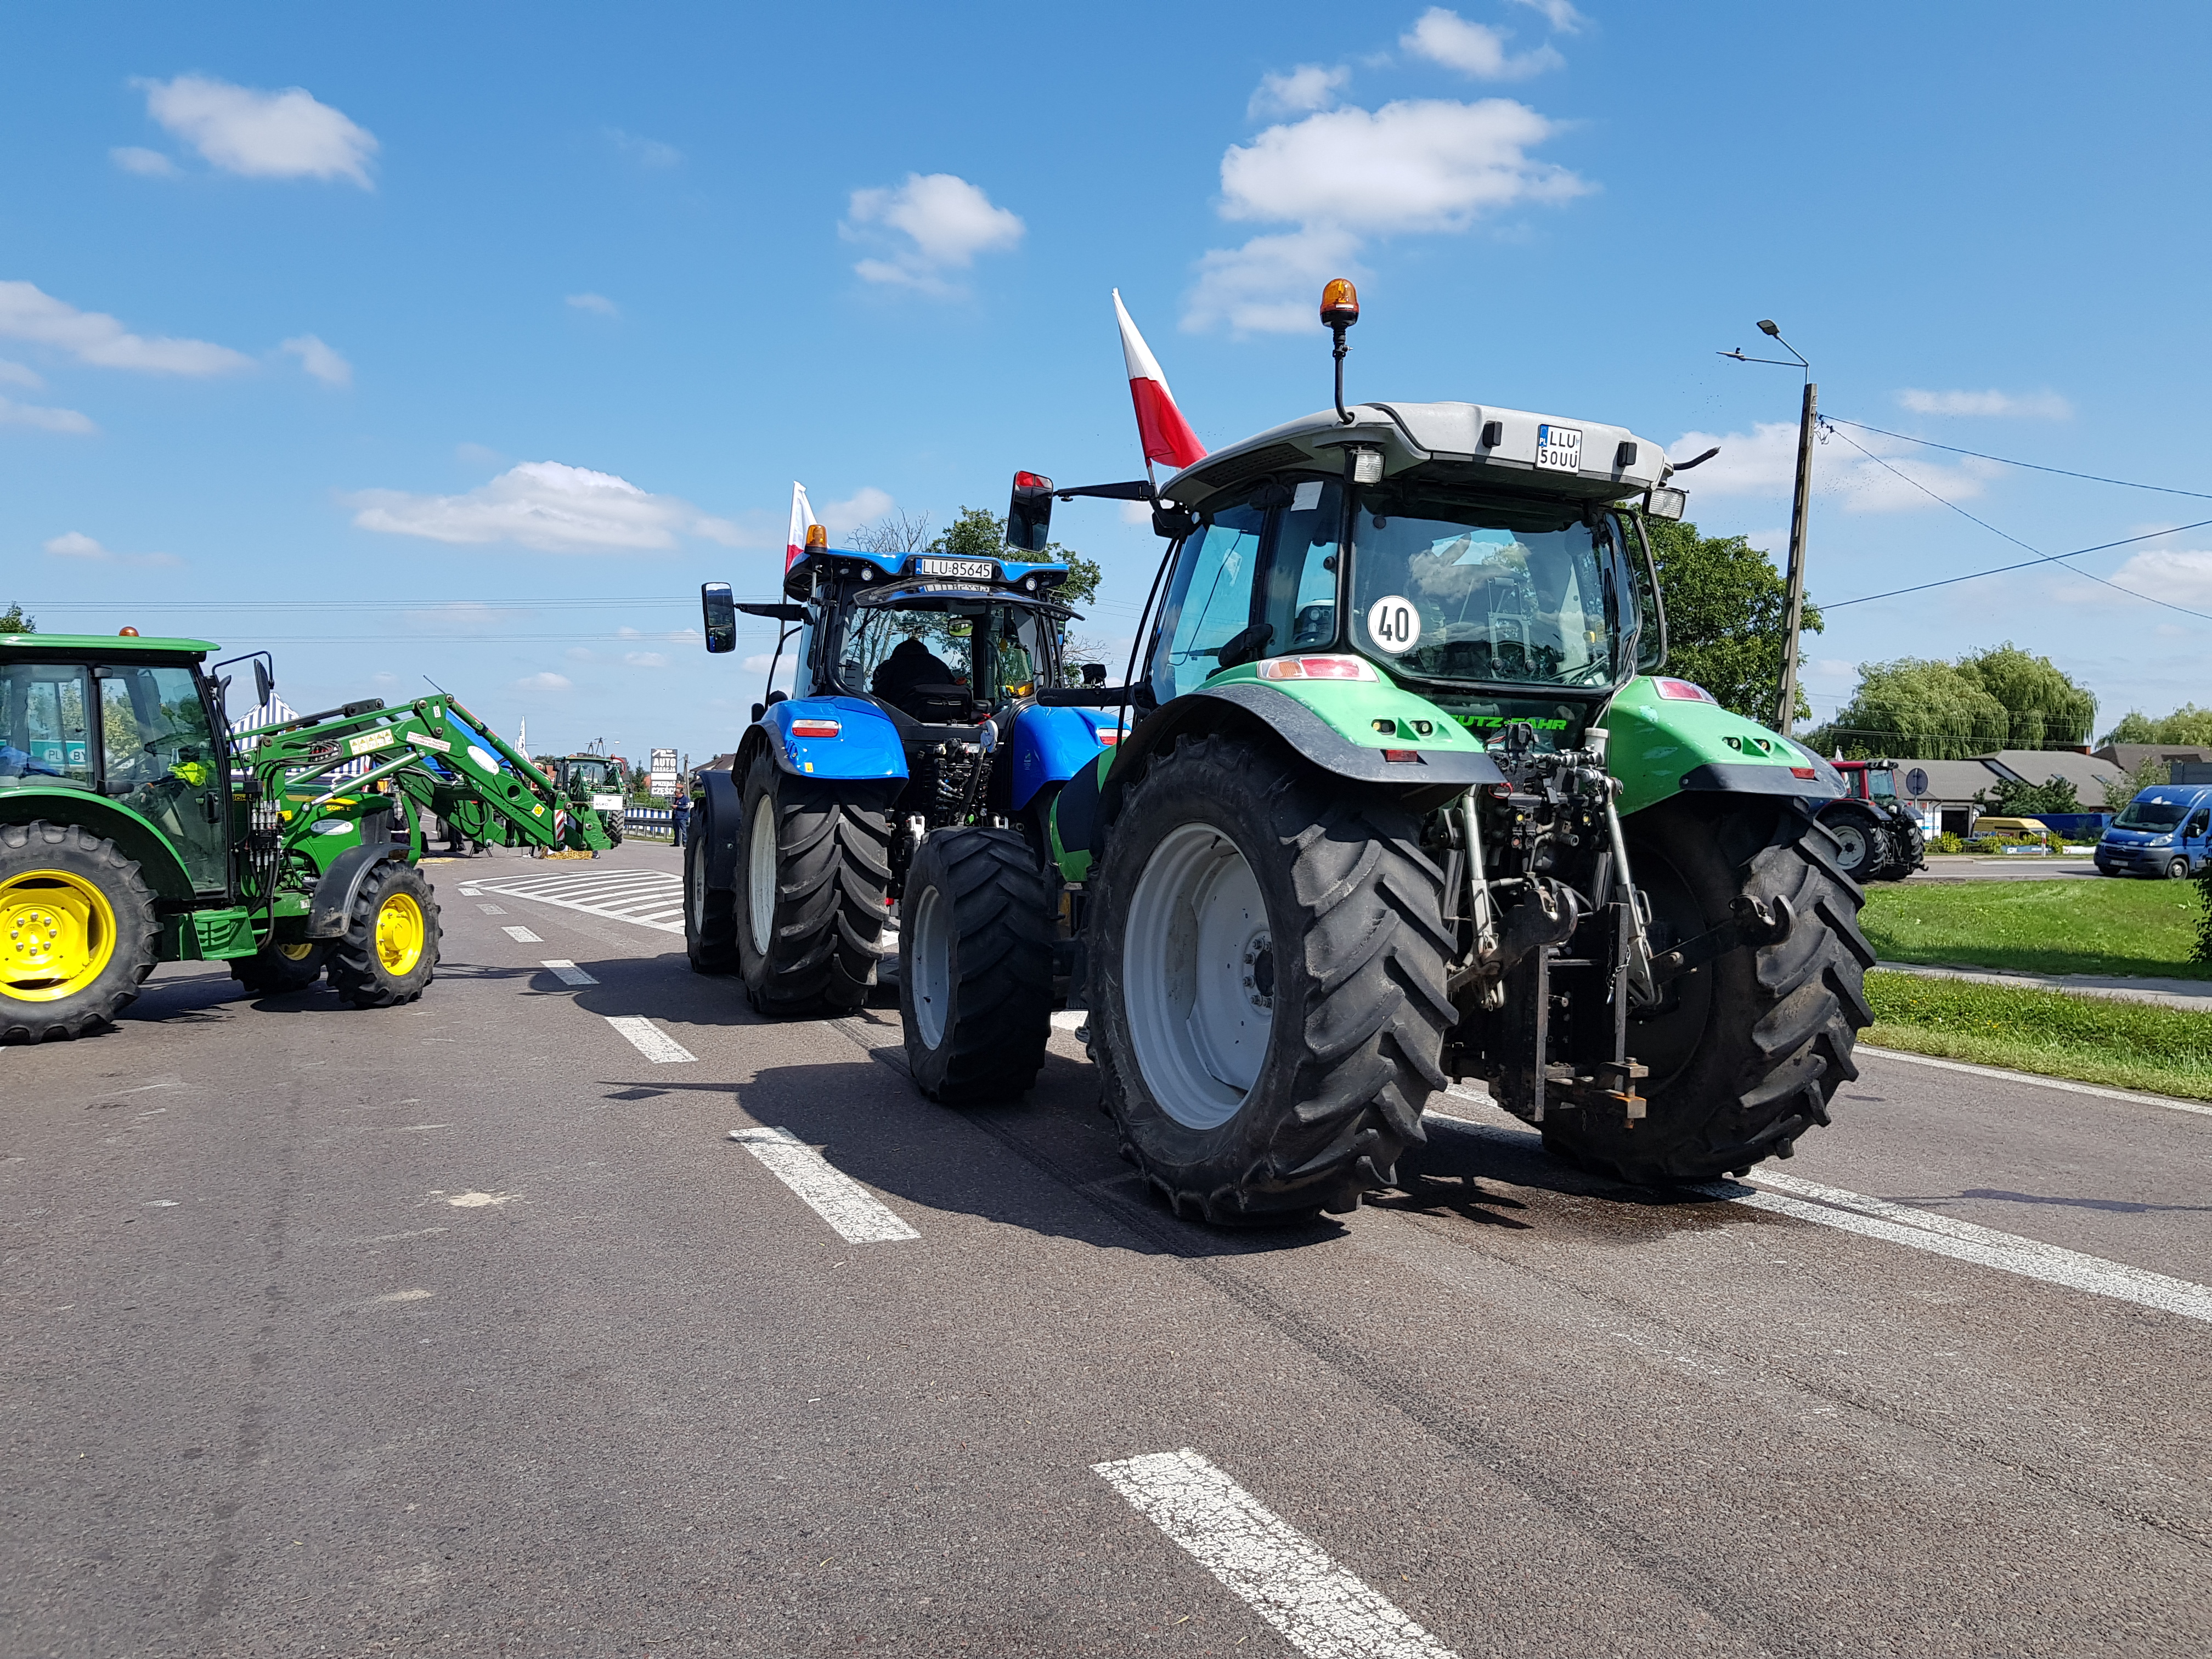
(21, 374)
(261, 135)
(645, 659)
(148, 163)
(1473, 49)
(1561, 16)
(76, 545)
(320, 361)
(545, 505)
(93, 336)
(646, 152)
(865, 506)
(45, 419)
(2180, 578)
(1425, 165)
(945, 221)
(1308, 86)
(1764, 463)
(2036, 405)
(544, 682)
(595, 302)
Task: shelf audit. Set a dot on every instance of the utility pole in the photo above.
(1799, 509)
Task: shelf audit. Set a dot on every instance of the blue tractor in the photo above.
(914, 707)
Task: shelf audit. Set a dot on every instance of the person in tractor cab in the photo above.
(911, 666)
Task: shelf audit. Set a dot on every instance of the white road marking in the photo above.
(649, 1040)
(568, 972)
(522, 936)
(480, 1200)
(493, 910)
(648, 898)
(858, 1217)
(2201, 1107)
(1925, 1229)
(1282, 1575)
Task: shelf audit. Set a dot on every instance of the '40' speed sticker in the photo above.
(1393, 624)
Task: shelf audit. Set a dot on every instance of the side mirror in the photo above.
(1094, 673)
(718, 611)
(1028, 514)
(222, 695)
(263, 684)
(759, 708)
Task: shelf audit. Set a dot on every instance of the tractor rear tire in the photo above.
(710, 914)
(1746, 1051)
(389, 950)
(77, 932)
(1862, 848)
(1269, 1007)
(975, 966)
(814, 871)
(278, 969)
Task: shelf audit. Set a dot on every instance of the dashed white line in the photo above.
(568, 973)
(2201, 1107)
(1282, 1575)
(522, 936)
(493, 910)
(649, 1040)
(858, 1217)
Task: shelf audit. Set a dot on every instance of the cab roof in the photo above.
(1445, 441)
(105, 645)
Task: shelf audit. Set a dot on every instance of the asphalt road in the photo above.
(466, 1328)
(1951, 867)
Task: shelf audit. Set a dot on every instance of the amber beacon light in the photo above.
(1339, 310)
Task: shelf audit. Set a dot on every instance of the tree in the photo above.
(2187, 726)
(2002, 698)
(2012, 798)
(1726, 610)
(13, 621)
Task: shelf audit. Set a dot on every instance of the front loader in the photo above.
(135, 828)
(1407, 800)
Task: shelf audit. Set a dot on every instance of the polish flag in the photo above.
(1166, 436)
(802, 519)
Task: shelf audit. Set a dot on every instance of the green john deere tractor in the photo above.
(590, 782)
(137, 827)
(1407, 800)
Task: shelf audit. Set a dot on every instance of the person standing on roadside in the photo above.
(679, 819)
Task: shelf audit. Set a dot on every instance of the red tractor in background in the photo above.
(1880, 837)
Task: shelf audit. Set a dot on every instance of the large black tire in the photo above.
(975, 966)
(813, 871)
(1747, 1050)
(371, 965)
(710, 913)
(1336, 1042)
(41, 864)
(278, 969)
(1862, 840)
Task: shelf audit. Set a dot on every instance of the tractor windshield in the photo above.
(947, 659)
(1524, 594)
(586, 773)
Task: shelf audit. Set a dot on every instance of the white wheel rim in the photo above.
(1198, 971)
(929, 959)
(1852, 842)
(760, 871)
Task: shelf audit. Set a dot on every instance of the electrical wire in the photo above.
(2032, 466)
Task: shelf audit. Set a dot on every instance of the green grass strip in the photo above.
(2111, 925)
(2123, 1045)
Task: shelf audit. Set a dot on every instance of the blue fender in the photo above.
(866, 745)
(1051, 745)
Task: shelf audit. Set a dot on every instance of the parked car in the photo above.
(2162, 832)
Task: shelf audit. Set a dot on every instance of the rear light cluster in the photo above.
(1683, 692)
(1317, 668)
(814, 728)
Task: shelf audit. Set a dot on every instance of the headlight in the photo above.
(2161, 841)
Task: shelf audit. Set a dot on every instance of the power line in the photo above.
(2031, 466)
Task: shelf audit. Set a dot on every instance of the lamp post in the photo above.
(1799, 509)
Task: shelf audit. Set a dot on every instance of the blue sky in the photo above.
(289, 296)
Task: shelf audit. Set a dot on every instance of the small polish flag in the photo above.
(1160, 425)
(802, 520)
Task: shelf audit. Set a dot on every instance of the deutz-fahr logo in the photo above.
(1495, 722)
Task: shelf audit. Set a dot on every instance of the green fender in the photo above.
(1661, 747)
(140, 839)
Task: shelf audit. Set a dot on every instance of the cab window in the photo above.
(1884, 785)
(1210, 601)
(1301, 602)
(45, 731)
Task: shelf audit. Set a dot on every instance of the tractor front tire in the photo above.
(815, 870)
(1746, 1051)
(975, 966)
(389, 950)
(277, 970)
(1269, 1005)
(710, 913)
(77, 933)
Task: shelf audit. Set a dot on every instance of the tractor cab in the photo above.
(1874, 780)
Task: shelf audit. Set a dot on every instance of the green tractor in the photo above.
(590, 782)
(1407, 800)
(137, 827)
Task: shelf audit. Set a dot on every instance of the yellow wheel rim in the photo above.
(299, 951)
(400, 933)
(56, 935)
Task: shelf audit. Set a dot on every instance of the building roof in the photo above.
(1952, 781)
(2129, 756)
(2088, 774)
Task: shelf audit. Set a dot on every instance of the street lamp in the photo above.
(1800, 507)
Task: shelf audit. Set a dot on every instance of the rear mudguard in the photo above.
(1051, 745)
(866, 745)
(1661, 747)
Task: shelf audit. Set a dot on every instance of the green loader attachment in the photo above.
(135, 828)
